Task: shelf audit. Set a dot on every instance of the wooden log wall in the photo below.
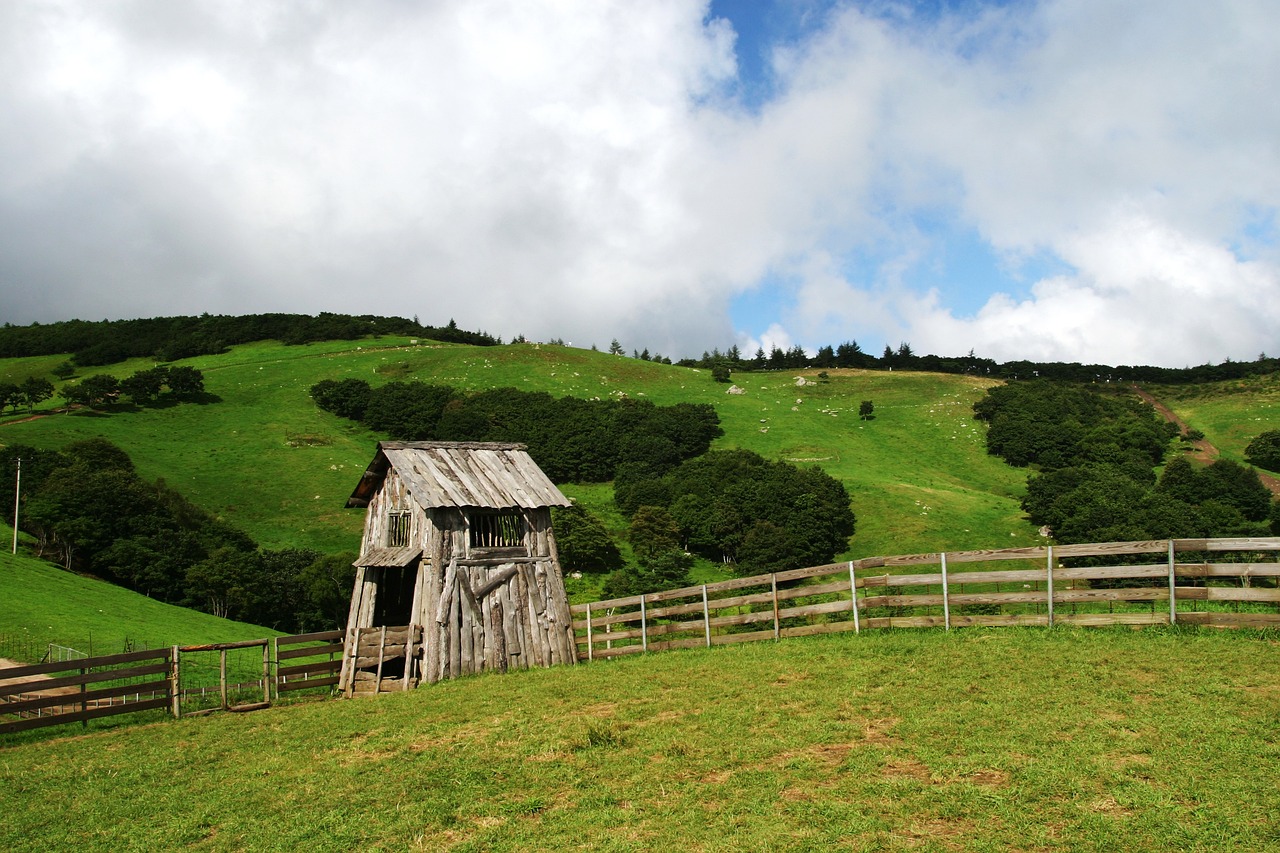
(496, 613)
(957, 590)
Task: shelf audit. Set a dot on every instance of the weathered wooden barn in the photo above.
(458, 570)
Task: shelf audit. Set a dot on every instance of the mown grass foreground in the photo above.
(1009, 739)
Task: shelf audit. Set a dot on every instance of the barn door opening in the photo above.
(394, 604)
(385, 652)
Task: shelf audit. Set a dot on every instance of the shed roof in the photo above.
(461, 474)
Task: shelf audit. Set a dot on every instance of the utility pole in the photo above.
(17, 497)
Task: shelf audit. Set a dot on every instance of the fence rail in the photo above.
(959, 591)
(60, 692)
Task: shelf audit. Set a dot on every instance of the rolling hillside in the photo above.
(266, 459)
(42, 604)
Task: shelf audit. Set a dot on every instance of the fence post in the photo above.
(590, 651)
(946, 600)
(853, 598)
(222, 678)
(1173, 601)
(266, 673)
(773, 584)
(175, 684)
(1048, 566)
(275, 663)
(644, 627)
(706, 616)
(84, 703)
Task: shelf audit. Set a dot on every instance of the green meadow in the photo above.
(265, 458)
(1230, 414)
(41, 604)
(1008, 739)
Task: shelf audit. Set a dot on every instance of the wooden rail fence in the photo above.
(1219, 582)
(84, 689)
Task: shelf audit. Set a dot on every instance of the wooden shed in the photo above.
(458, 570)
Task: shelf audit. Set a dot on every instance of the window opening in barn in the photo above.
(398, 529)
(496, 530)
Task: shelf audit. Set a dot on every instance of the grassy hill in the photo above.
(1010, 739)
(1230, 414)
(266, 459)
(1084, 740)
(42, 604)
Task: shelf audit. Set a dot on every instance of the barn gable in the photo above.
(461, 474)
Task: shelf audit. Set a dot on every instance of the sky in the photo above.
(1056, 180)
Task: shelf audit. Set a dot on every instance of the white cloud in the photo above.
(571, 168)
(1128, 141)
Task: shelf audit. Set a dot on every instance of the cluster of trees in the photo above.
(34, 391)
(1264, 450)
(733, 506)
(1097, 455)
(850, 354)
(141, 388)
(93, 344)
(1054, 424)
(88, 507)
(573, 440)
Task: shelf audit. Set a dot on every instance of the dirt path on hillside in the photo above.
(1204, 450)
(24, 420)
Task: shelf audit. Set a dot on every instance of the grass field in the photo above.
(1230, 414)
(42, 604)
(1012, 739)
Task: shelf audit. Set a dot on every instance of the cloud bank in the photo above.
(585, 170)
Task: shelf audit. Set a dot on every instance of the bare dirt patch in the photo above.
(907, 768)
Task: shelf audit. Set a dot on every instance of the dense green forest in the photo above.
(89, 510)
(573, 440)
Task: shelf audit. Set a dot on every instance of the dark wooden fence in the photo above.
(1219, 582)
(50, 694)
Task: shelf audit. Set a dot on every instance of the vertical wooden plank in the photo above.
(466, 637)
(644, 627)
(347, 674)
(497, 633)
(946, 600)
(84, 703)
(407, 681)
(520, 620)
(175, 683)
(1048, 567)
(706, 616)
(454, 628)
(382, 645)
(1173, 597)
(777, 626)
(590, 653)
(853, 598)
(222, 677)
(511, 625)
(266, 671)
